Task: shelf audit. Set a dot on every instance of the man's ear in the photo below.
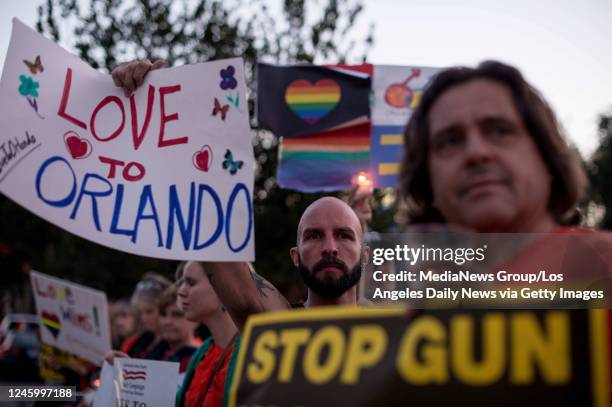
(293, 252)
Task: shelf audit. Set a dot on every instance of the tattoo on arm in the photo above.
(261, 284)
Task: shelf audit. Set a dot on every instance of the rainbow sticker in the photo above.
(312, 102)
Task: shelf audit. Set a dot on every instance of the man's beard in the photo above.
(330, 287)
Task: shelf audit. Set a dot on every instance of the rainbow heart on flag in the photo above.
(51, 322)
(312, 102)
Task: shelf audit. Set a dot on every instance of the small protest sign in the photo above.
(166, 172)
(137, 382)
(72, 317)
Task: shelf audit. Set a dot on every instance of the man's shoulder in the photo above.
(586, 260)
(589, 235)
(571, 251)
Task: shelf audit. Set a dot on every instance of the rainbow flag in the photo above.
(321, 116)
(325, 161)
(301, 100)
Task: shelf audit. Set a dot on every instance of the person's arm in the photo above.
(242, 291)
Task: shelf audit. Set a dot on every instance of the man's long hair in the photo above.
(563, 163)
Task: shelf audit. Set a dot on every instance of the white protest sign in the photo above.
(137, 382)
(72, 317)
(167, 172)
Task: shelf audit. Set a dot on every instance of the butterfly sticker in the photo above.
(220, 109)
(230, 164)
(35, 67)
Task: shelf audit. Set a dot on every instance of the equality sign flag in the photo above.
(309, 99)
(137, 382)
(166, 173)
(384, 357)
(73, 318)
(396, 92)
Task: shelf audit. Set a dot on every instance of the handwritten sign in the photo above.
(137, 382)
(72, 317)
(384, 357)
(166, 172)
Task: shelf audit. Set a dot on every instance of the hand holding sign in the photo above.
(110, 356)
(131, 75)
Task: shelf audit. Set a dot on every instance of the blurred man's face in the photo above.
(329, 249)
(486, 172)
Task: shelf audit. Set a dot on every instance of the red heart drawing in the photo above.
(78, 148)
(202, 159)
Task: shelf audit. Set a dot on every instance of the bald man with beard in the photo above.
(329, 255)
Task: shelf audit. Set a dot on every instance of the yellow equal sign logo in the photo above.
(391, 139)
(388, 168)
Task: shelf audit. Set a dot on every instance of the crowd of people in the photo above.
(483, 151)
(170, 313)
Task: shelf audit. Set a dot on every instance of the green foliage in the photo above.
(600, 171)
(106, 33)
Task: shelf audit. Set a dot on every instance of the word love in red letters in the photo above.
(48, 290)
(138, 134)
